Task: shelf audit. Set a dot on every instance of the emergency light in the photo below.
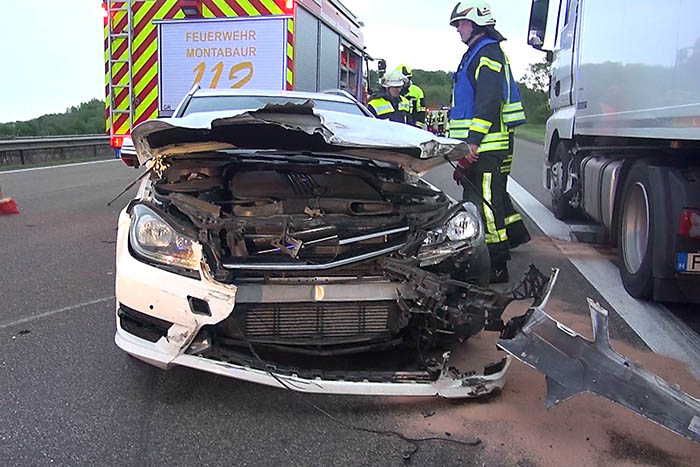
(191, 8)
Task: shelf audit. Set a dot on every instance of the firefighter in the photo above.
(486, 108)
(415, 96)
(389, 104)
(440, 120)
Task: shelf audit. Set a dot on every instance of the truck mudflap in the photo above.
(573, 365)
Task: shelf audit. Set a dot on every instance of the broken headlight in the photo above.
(154, 239)
(459, 233)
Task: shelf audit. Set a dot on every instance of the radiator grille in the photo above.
(316, 320)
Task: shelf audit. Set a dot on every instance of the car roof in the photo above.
(269, 93)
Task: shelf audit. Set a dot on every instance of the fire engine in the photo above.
(157, 50)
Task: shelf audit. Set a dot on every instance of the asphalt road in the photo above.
(70, 396)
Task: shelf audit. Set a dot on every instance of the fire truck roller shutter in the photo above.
(306, 50)
(329, 59)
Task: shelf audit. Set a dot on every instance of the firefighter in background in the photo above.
(389, 104)
(430, 121)
(486, 108)
(440, 120)
(415, 96)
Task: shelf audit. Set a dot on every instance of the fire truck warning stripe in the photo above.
(143, 17)
(149, 75)
(232, 4)
(150, 63)
(149, 109)
(249, 8)
(226, 9)
(121, 124)
(146, 101)
(146, 48)
(150, 112)
(272, 7)
(214, 10)
(144, 55)
(151, 85)
(262, 9)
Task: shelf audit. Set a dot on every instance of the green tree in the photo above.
(86, 118)
(538, 75)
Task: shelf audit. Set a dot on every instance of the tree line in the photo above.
(85, 119)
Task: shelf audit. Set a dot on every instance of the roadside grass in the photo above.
(533, 132)
(74, 160)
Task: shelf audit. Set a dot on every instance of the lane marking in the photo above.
(46, 314)
(660, 329)
(57, 166)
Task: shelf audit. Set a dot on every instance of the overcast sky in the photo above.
(51, 55)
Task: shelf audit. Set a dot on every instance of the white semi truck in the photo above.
(623, 143)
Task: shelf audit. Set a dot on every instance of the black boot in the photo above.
(499, 274)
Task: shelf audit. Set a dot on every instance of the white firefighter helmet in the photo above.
(394, 79)
(476, 11)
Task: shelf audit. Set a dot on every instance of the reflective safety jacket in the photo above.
(397, 111)
(416, 98)
(486, 104)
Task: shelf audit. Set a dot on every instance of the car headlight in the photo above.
(154, 239)
(463, 226)
(458, 234)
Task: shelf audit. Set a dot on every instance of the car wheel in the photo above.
(635, 235)
(560, 174)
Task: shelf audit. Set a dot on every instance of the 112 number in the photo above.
(233, 74)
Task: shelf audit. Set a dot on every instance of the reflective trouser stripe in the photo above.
(506, 165)
(496, 137)
(513, 219)
(420, 124)
(493, 234)
(498, 146)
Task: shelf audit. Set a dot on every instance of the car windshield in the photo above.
(214, 103)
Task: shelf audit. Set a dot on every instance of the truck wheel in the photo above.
(635, 234)
(560, 174)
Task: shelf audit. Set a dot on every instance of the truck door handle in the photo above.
(557, 88)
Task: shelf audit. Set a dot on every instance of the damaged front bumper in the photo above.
(573, 365)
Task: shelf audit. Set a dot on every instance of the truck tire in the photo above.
(635, 233)
(560, 173)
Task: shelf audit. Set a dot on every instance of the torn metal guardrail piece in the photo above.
(573, 365)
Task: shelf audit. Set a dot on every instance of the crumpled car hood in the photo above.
(300, 128)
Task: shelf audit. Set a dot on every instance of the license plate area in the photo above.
(688, 262)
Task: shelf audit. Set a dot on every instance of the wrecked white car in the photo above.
(299, 248)
(302, 240)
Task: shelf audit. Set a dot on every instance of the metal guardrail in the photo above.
(52, 142)
(38, 150)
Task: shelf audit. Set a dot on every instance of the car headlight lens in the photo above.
(435, 237)
(463, 226)
(153, 238)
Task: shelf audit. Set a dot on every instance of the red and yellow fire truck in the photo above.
(157, 50)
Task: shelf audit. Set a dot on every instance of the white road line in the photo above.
(662, 331)
(46, 314)
(58, 166)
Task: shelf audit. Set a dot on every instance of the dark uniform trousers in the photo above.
(504, 227)
(486, 189)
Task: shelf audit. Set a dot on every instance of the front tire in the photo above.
(635, 236)
(560, 175)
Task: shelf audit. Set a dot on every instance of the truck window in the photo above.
(563, 19)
